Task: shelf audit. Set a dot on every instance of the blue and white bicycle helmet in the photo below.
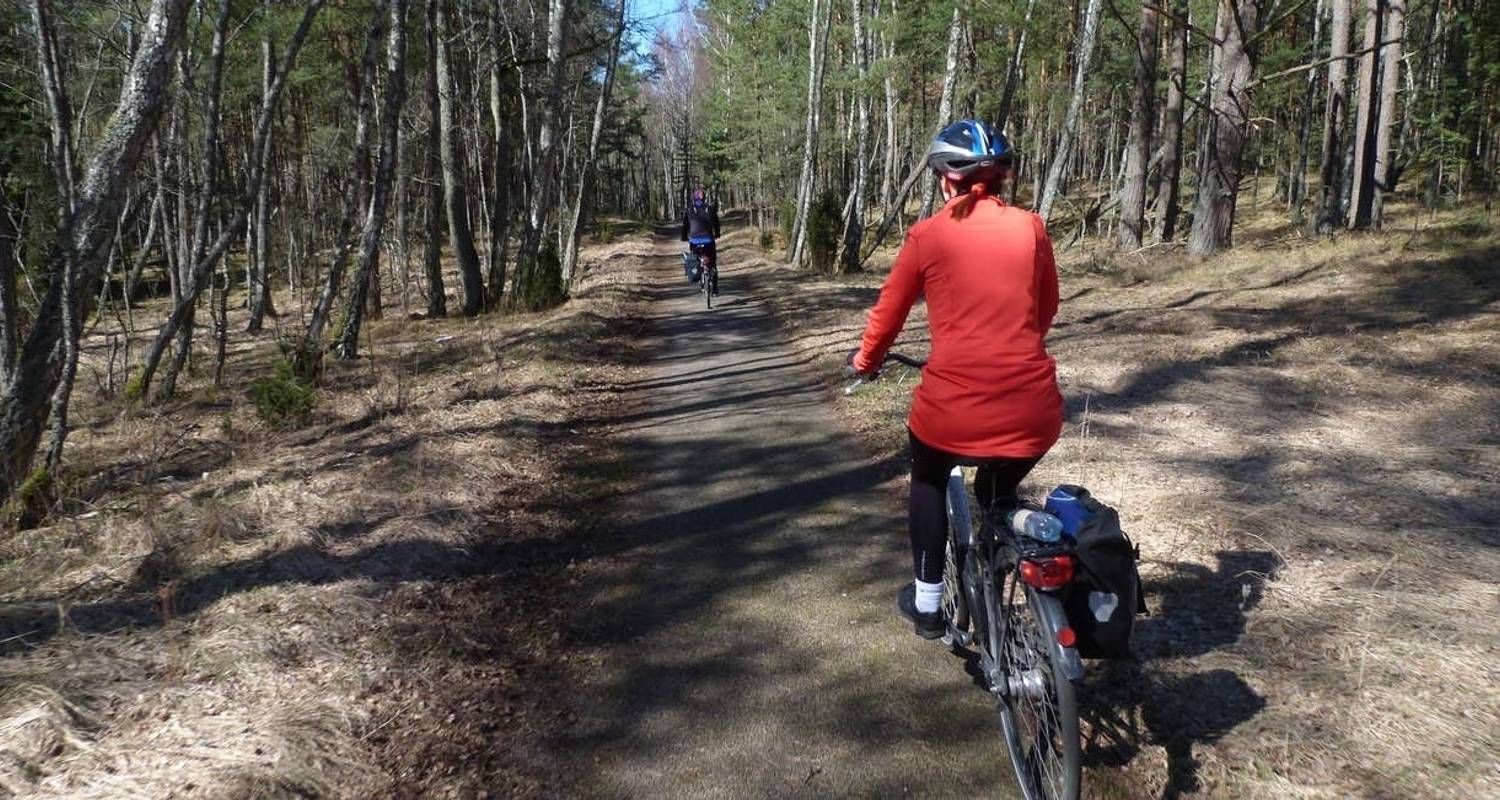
(968, 148)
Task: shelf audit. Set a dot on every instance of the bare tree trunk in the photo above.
(854, 223)
(888, 177)
(1335, 111)
(1083, 57)
(182, 309)
(455, 191)
(1168, 198)
(9, 311)
(308, 360)
(499, 177)
(346, 343)
(1138, 145)
(817, 52)
(531, 272)
(1366, 133)
(260, 289)
(1218, 185)
(1013, 70)
(432, 248)
(86, 237)
(192, 283)
(945, 104)
(586, 171)
(1386, 147)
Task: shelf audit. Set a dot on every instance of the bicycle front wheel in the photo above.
(1038, 705)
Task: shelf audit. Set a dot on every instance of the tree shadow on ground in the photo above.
(1156, 697)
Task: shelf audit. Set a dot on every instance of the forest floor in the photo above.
(632, 541)
(367, 605)
(1303, 438)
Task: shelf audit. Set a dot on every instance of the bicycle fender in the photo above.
(1050, 609)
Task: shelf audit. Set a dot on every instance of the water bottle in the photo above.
(1037, 525)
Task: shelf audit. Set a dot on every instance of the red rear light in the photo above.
(1066, 637)
(1053, 572)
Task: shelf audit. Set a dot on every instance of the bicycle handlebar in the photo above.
(899, 358)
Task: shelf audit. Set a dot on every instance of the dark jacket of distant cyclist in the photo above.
(700, 224)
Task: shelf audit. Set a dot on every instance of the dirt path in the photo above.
(749, 645)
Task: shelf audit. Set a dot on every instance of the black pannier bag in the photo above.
(1105, 596)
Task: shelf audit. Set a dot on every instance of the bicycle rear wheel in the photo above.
(955, 607)
(1038, 706)
(710, 276)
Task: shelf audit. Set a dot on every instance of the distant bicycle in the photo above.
(701, 267)
(1000, 599)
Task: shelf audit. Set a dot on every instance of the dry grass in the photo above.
(365, 605)
(1303, 437)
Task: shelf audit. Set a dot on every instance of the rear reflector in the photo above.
(1066, 637)
(1054, 572)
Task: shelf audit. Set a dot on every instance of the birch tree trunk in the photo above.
(532, 275)
(260, 290)
(308, 359)
(1060, 157)
(816, 58)
(1394, 32)
(1168, 198)
(346, 343)
(1218, 185)
(1335, 111)
(586, 171)
(1138, 145)
(945, 103)
(86, 237)
(1013, 70)
(183, 306)
(455, 189)
(499, 177)
(854, 224)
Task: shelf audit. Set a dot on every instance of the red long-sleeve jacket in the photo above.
(989, 388)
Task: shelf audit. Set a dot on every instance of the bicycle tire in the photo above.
(707, 281)
(954, 605)
(1038, 699)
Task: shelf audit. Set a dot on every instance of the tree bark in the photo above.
(260, 289)
(1168, 198)
(1386, 146)
(1218, 185)
(1013, 70)
(455, 189)
(1138, 145)
(854, 223)
(1366, 133)
(432, 247)
(531, 272)
(587, 169)
(346, 343)
(86, 237)
(499, 173)
(945, 104)
(1335, 112)
(1060, 157)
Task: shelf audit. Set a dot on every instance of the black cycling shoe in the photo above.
(928, 626)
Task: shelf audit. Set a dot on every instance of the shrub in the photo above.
(544, 288)
(824, 226)
(767, 238)
(283, 398)
(604, 232)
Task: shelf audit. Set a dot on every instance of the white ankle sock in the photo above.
(929, 595)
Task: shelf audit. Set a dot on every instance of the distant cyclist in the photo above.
(988, 394)
(700, 227)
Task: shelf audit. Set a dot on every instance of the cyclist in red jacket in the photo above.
(988, 394)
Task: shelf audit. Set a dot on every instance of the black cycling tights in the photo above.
(995, 484)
